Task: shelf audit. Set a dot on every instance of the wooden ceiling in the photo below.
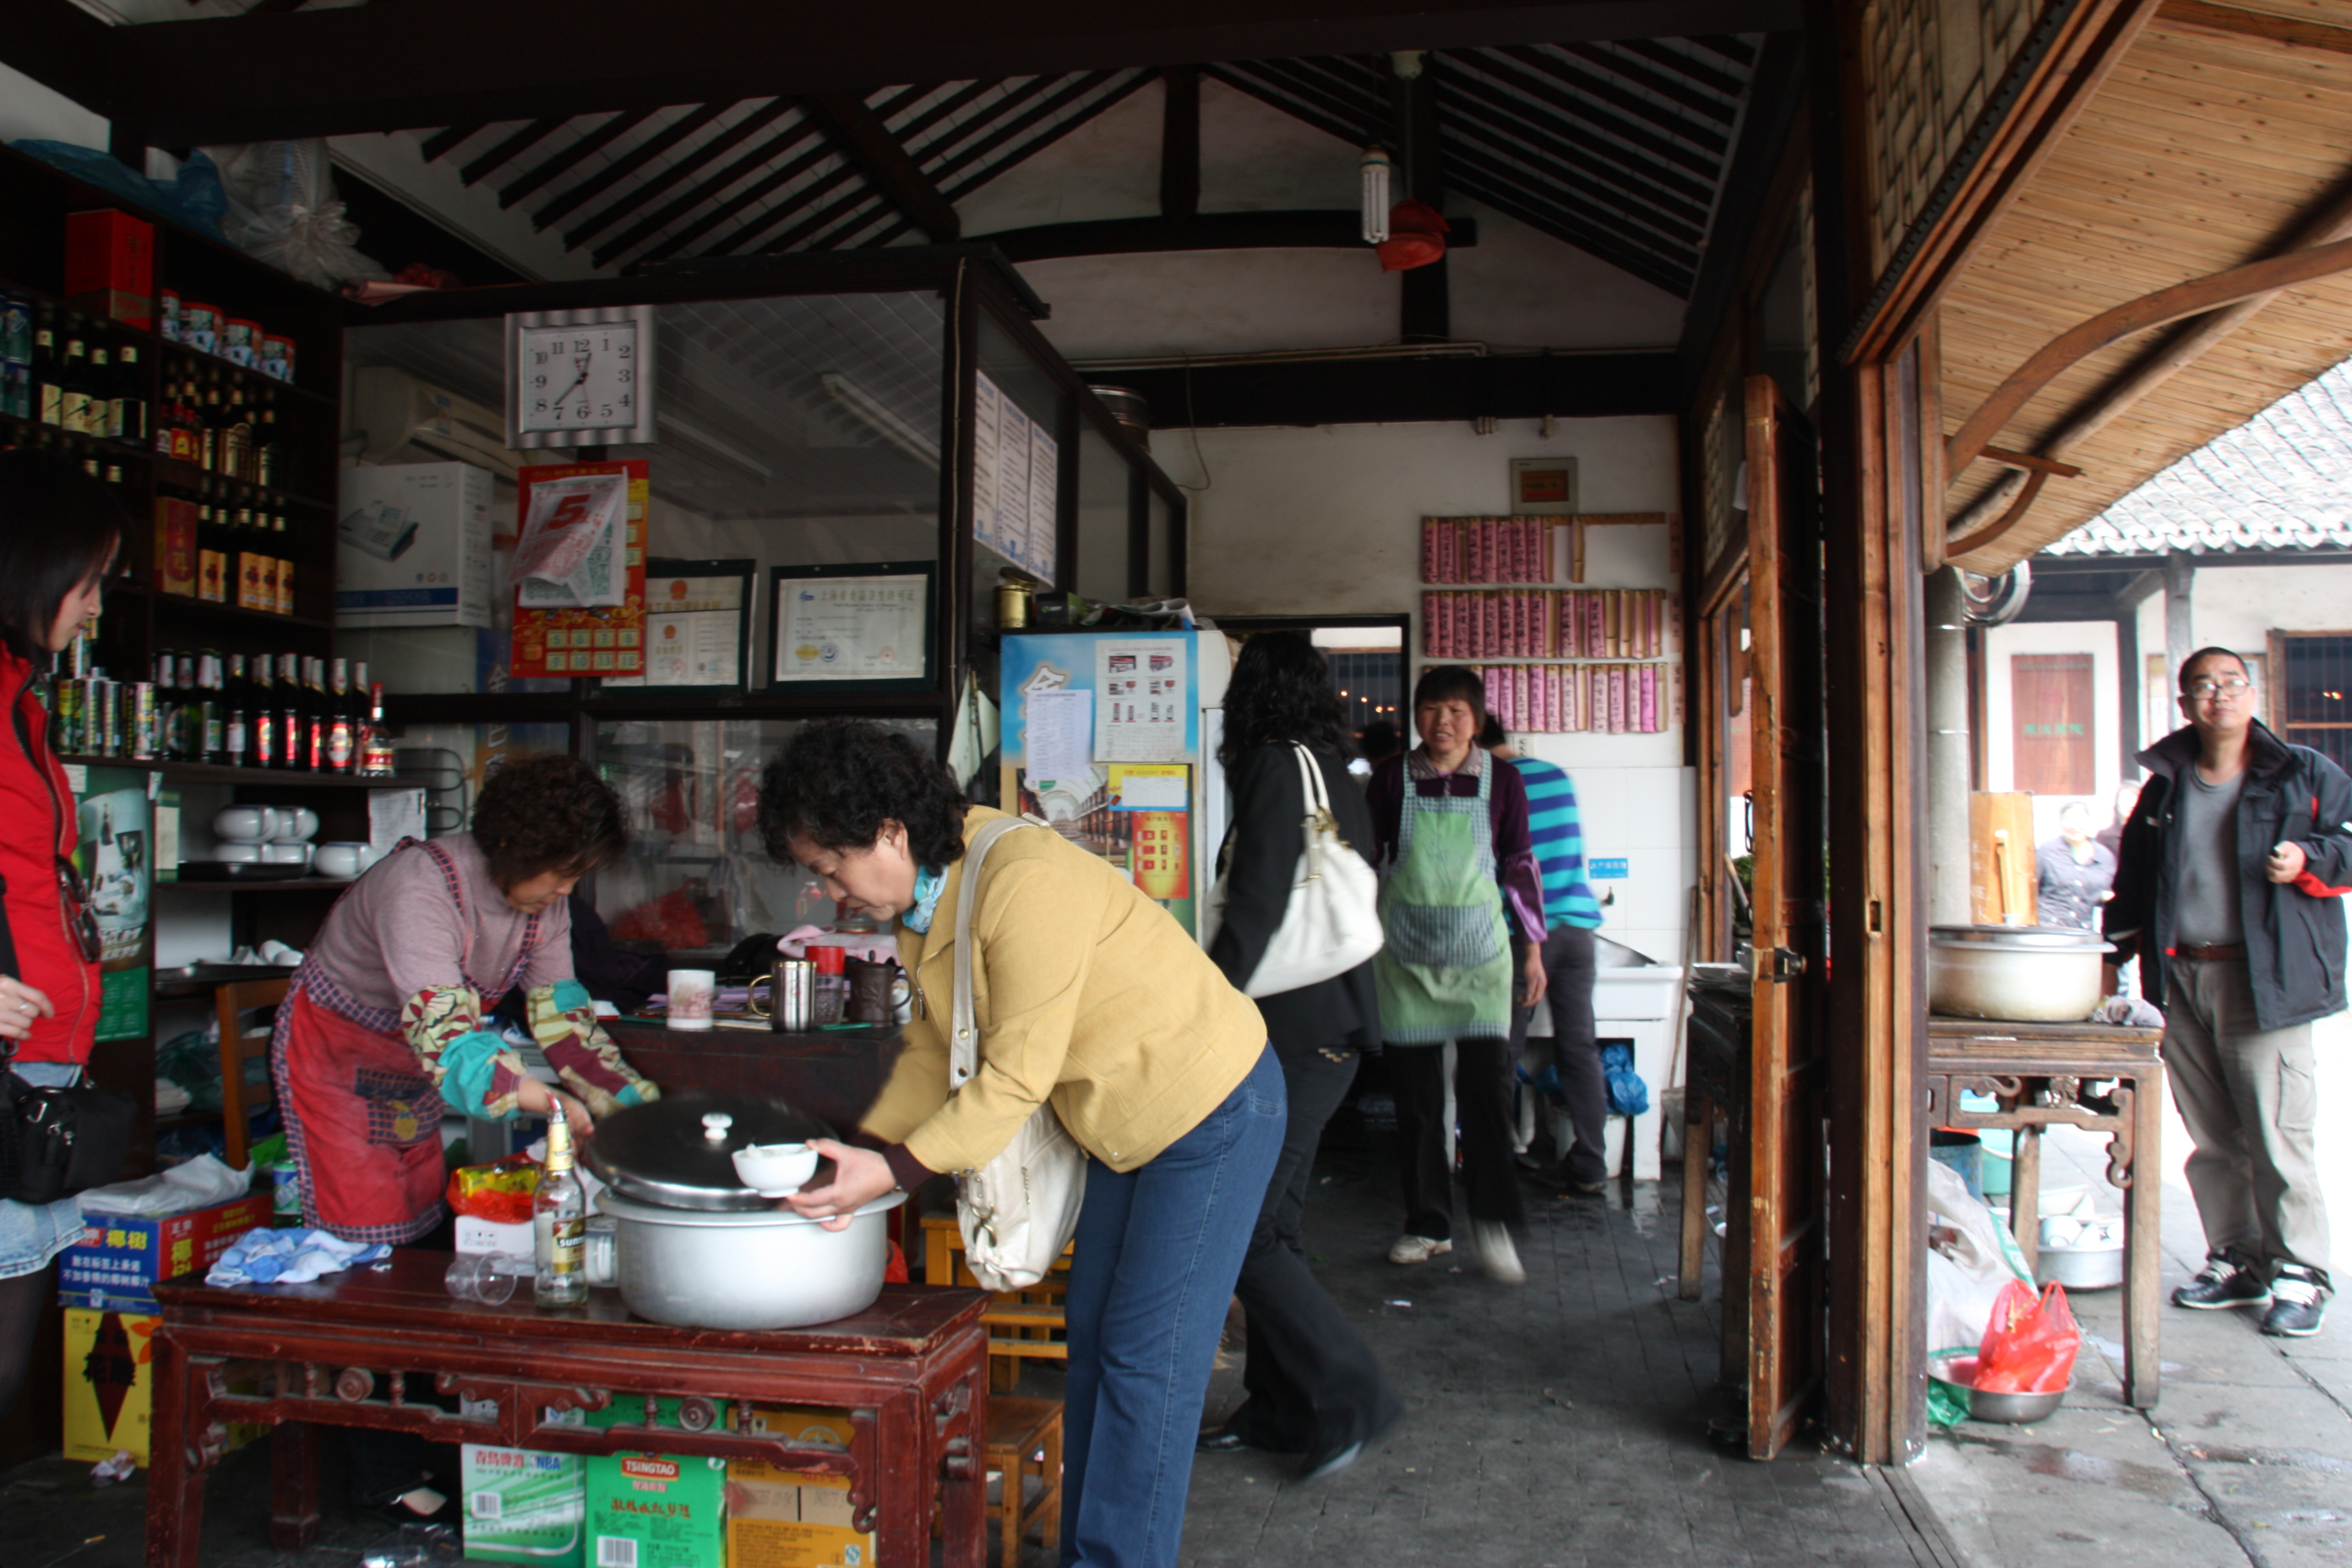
(2210, 145)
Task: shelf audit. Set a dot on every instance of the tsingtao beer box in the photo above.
(656, 1510)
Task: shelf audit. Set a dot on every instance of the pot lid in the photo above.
(679, 1152)
(2026, 939)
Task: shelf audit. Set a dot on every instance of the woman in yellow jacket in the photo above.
(1091, 998)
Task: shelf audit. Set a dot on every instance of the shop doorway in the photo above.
(1367, 656)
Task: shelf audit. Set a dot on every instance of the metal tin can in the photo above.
(200, 326)
(105, 719)
(139, 719)
(240, 340)
(1012, 605)
(68, 718)
(792, 996)
(167, 314)
(274, 356)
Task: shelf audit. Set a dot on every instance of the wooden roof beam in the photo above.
(1337, 229)
(2233, 22)
(1180, 143)
(866, 143)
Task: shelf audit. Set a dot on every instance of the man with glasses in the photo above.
(2234, 865)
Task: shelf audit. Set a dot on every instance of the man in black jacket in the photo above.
(2229, 888)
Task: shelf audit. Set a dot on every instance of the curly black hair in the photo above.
(548, 812)
(1281, 692)
(838, 780)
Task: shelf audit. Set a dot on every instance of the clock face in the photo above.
(579, 378)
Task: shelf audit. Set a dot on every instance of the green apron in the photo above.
(1445, 972)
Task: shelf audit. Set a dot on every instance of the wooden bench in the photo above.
(1024, 1439)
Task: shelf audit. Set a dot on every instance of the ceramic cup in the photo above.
(240, 853)
(245, 824)
(691, 992)
(339, 859)
(772, 1169)
(295, 823)
(281, 853)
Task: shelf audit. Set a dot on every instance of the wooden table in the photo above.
(356, 1349)
(2045, 1075)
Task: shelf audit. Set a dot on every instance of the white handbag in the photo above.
(1019, 1211)
(1332, 922)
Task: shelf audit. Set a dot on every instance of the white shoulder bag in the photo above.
(1332, 922)
(1019, 1211)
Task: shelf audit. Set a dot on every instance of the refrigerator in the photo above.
(1110, 738)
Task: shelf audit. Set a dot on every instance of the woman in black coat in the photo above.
(1314, 1388)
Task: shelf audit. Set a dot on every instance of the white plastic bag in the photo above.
(1970, 1256)
(282, 210)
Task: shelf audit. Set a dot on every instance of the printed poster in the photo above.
(694, 632)
(988, 404)
(116, 858)
(576, 640)
(1044, 493)
(1140, 699)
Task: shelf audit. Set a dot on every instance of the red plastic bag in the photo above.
(500, 1192)
(2029, 1347)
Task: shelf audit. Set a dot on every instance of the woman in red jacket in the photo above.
(59, 529)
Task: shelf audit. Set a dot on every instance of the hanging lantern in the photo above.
(1377, 170)
(1419, 233)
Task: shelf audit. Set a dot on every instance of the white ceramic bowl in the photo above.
(342, 859)
(772, 1169)
(245, 824)
(295, 823)
(241, 853)
(281, 853)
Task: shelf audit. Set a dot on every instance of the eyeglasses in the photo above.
(2228, 686)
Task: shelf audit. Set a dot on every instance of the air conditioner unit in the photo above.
(394, 411)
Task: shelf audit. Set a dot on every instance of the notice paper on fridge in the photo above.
(1150, 786)
(1060, 736)
(1140, 698)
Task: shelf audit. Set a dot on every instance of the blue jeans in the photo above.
(1158, 1251)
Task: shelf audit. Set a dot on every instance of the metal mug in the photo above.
(791, 1007)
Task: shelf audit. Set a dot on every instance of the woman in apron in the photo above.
(386, 1029)
(1461, 880)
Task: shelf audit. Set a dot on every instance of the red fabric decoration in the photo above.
(671, 920)
(1415, 229)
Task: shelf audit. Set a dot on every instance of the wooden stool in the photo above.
(1024, 1438)
(1021, 1324)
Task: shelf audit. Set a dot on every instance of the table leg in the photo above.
(293, 1485)
(964, 1498)
(2143, 1240)
(1699, 1135)
(2025, 1196)
(175, 1490)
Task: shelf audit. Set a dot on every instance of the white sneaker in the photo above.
(1497, 1253)
(1418, 1248)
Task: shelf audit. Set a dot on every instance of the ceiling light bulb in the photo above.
(1377, 170)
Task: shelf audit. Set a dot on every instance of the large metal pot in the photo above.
(2027, 975)
(690, 1244)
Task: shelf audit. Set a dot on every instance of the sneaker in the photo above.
(2222, 1282)
(2298, 1300)
(1419, 1249)
(1497, 1254)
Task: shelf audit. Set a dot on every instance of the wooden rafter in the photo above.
(1335, 229)
(1698, 70)
(1587, 103)
(596, 140)
(967, 158)
(2232, 21)
(1503, 125)
(1180, 143)
(799, 131)
(1687, 173)
(447, 139)
(626, 164)
(1676, 88)
(1575, 72)
(868, 144)
(512, 147)
(779, 178)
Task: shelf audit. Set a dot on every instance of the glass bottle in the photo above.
(343, 748)
(375, 754)
(559, 1222)
(129, 421)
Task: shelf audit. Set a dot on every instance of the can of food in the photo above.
(1012, 605)
(68, 723)
(240, 341)
(139, 719)
(200, 326)
(15, 331)
(284, 1193)
(167, 314)
(105, 717)
(274, 355)
(792, 996)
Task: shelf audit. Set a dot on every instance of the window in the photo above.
(2313, 704)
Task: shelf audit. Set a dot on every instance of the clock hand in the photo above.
(582, 363)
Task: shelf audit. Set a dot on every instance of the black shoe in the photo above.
(1329, 1461)
(2224, 1282)
(2298, 1302)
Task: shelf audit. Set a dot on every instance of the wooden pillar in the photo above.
(2128, 692)
(1877, 747)
(2180, 620)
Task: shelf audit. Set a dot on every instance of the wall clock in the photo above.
(580, 378)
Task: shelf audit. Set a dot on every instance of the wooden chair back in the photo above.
(238, 1044)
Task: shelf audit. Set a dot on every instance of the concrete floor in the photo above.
(1563, 1423)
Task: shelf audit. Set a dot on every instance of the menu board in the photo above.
(1044, 493)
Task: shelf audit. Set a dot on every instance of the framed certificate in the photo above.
(697, 625)
(866, 625)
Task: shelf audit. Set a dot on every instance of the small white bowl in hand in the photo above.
(775, 1170)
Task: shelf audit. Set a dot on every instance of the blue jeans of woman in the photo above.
(1158, 1248)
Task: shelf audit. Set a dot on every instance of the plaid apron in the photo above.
(1445, 972)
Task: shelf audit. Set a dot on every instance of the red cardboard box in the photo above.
(114, 1267)
(110, 266)
(176, 546)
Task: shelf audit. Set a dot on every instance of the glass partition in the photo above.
(1105, 518)
(1160, 571)
(694, 879)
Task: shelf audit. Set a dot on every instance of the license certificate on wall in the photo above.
(871, 624)
(697, 624)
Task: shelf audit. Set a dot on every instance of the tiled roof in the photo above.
(2282, 480)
